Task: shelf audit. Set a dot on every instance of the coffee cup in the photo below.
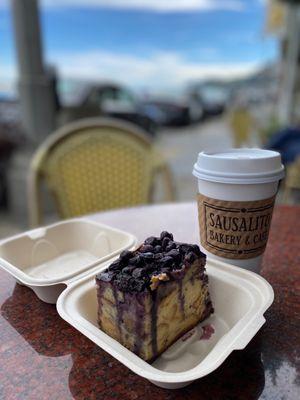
(236, 196)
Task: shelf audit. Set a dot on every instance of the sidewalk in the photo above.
(182, 145)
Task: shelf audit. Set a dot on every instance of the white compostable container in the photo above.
(240, 299)
(237, 185)
(59, 264)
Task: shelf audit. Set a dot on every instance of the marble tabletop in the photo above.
(42, 357)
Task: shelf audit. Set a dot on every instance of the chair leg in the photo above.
(34, 202)
(167, 179)
(169, 183)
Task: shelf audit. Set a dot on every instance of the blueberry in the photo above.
(138, 272)
(158, 249)
(174, 253)
(115, 266)
(147, 256)
(196, 249)
(126, 255)
(128, 270)
(190, 257)
(166, 234)
(135, 260)
(146, 248)
(151, 240)
(166, 261)
(184, 248)
(165, 242)
(170, 246)
(106, 276)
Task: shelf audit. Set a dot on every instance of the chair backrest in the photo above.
(92, 165)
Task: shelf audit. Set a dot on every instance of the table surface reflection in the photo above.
(42, 357)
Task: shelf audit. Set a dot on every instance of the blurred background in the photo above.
(187, 75)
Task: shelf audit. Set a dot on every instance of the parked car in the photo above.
(190, 104)
(176, 107)
(214, 97)
(113, 100)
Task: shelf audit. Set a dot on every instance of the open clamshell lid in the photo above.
(61, 252)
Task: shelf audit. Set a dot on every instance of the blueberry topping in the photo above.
(106, 276)
(147, 256)
(151, 240)
(190, 257)
(174, 253)
(184, 248)
(126, 255)
(158, 256)
(128, 270)
(115, 266)
(165, 242)
(166, 234)
(138, 272)
(133, 270)
(196, 249)
(170, 246)
(146, 248)
(166, 261)
(123, 282)
(136, 260)
(158, 249)
(150, 268)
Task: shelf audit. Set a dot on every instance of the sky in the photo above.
(146, 43)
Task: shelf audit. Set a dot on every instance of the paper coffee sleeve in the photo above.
(234, 229)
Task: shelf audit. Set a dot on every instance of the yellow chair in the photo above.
(241, 123)
(292, 180)
(95, 164)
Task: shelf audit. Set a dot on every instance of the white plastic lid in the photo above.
(240, 166)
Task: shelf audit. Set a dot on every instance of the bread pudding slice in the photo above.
(150, 297)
